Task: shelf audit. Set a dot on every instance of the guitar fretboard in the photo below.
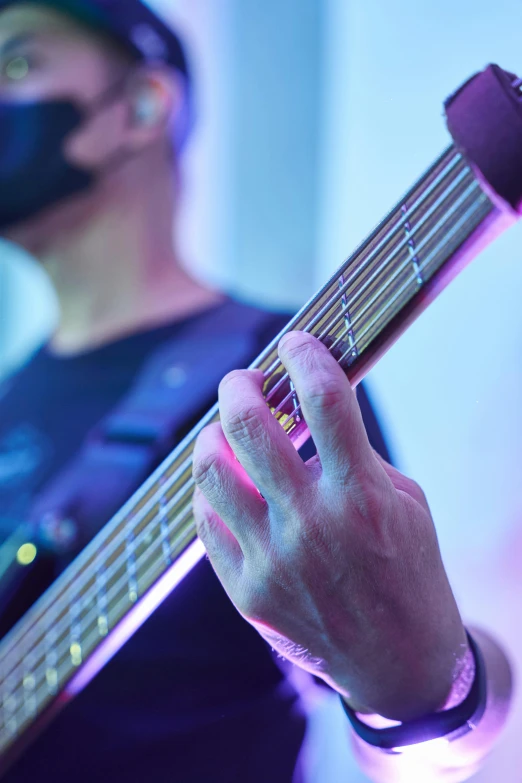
(111, 579)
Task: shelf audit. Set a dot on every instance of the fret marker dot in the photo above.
(26, 554)
(29, 682)
(103, 626)
(76, 654)
(51, 676)
(133, 596)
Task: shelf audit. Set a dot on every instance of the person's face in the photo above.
(47, 56)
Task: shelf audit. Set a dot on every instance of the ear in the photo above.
(155, 95)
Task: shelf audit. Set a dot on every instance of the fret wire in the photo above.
(347, 319)
(412, 245)
(101, 601)
(164, 530)
(379, 293)
(130, 563)
(448, 166)
(148, 502)
(177, 500)
(159, 561)
(375, 251)
(425, 241)
(88, 641)
(92, 550)
(382, 312)
(176, 471)
(107, 552)
(92, 639)
(395, 297)
(63, 627)
(430, 258)
(421, 199)
(152, 501)
(324, 310)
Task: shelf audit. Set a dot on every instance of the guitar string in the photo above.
(43, 698)
(420, 199)
(185, 466)
(398, 228)
(360, 313)
(137, 544)
(177, 522)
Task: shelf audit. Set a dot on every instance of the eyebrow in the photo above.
(15, 42)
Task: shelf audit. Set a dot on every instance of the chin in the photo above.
(37, 233)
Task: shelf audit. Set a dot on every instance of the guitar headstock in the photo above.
(484, 116)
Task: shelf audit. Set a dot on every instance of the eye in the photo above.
(17, 68)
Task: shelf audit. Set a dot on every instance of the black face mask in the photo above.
(34, 173)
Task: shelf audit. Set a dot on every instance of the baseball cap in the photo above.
(132, 23)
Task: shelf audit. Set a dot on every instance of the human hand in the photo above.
(335, 562)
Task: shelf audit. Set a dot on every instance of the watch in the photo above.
(456, 721)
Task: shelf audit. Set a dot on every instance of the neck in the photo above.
(119, 272)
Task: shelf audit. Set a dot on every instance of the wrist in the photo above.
(462, 680)
(450, 723)
(422, 680)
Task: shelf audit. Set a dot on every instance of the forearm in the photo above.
(441, 761)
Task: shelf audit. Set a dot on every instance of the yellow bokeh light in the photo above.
(76, 654)
(26, 554)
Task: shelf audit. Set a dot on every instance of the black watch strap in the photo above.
(456, 721)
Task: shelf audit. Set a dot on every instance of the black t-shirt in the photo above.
(196, 694)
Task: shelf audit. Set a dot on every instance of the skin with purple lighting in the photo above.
(335, 558)
(336, 562)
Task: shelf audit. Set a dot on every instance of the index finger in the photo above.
(329, 405)
(257, 439)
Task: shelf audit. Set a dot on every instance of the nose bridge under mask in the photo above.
(34, 172)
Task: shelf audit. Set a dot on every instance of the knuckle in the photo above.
(416, 491)
(207, 524)
(207, 470)
(297, 345)
(368, 499)
(323, 395)
(245, 424)
(410, 487)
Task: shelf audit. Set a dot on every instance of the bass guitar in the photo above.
(470, 195)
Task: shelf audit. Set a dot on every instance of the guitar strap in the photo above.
(171, 392)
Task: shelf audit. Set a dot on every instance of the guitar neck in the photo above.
(136, 560)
